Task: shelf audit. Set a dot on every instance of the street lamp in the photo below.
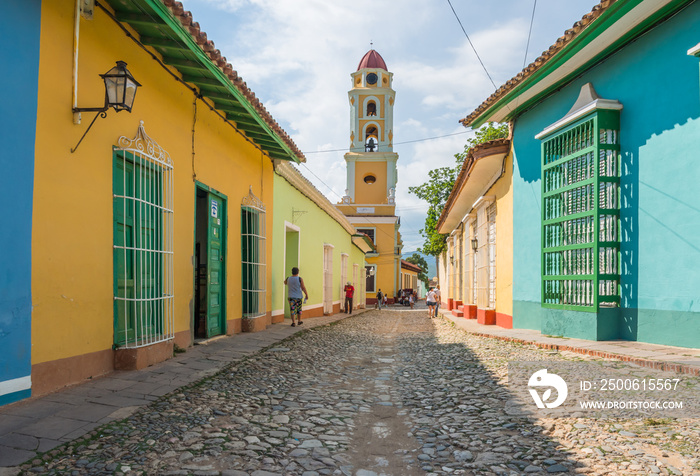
(120, 91)
(475, 244)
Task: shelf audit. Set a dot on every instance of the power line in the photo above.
(472, 45)
(362, 149)
(532, 21)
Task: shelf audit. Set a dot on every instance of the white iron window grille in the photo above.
(343, 274)
(327, 279)
(491, 230)
(253, 253)
(143, 242)
(474, 265)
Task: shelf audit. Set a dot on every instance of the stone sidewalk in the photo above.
(662, 357)
(40, 424)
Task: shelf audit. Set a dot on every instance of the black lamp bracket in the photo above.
(101, 112)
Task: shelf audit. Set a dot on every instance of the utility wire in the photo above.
(472, 45)
(532, 21)
(362, 149)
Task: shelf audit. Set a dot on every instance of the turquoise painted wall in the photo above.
(659, 87)
(20, 39)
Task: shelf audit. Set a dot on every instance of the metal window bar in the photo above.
(327, 279)
(474, 265)
(491, 239)
(254, 269)
(144, 288)
(343, 278)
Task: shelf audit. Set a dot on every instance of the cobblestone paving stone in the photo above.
(386, 392)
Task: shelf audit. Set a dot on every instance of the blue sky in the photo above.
(297, 56)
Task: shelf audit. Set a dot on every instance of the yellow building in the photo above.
(150, 229)
(371, 173)
(476, 271)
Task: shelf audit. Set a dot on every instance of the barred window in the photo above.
(142, 184)
(581, 213)
(253, 252)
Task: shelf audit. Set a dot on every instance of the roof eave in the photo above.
(255, 120)
(592, 40)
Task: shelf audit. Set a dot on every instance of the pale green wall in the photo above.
(316, 228)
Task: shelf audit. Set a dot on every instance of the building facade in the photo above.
(147, 231)
(605, 213)
(312, 235)
(369, 201)
(476, 270)
(16, 195)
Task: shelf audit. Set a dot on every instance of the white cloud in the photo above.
(297, 55)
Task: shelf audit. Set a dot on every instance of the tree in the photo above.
(437, 190)
(418, 260)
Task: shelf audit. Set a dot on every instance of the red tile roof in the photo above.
(185, 18)
(372, 59)
(495, 146)
(546, 56)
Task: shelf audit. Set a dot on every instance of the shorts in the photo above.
(430, 303)
(294, 306)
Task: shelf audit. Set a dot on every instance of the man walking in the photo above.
(380, 299)
(295, 287)
(349, 292)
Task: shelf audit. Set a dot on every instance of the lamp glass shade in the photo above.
(475, 244)
(120, 87)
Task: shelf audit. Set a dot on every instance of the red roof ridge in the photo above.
(200, 37)
(547, 55)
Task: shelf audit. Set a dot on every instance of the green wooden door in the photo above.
(216, 266)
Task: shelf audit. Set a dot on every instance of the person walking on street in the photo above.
(438, 297)
(430, 301)
(295, 286)
(349, 292)
(380, 299)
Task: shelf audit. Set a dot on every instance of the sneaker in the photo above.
(293, 325)
(300, 323)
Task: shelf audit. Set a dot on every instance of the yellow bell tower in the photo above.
(369, 201)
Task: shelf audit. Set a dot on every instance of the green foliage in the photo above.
(418, 260)
(488, 131)
(437, 190)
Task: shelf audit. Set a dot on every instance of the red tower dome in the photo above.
(372, 59)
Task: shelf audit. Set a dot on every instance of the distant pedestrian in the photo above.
(380, 300)
(438, 298)
(411, 300)
(349, 293)
(295, 286)
(430, 301)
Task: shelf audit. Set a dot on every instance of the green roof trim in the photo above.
(160, 28)
(597, 27)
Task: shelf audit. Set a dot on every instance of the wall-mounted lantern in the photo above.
(120, 91)
(475, 244)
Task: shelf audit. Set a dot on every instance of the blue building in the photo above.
(606, 209)
(17, 131)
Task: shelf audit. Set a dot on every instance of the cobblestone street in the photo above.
(384, 392)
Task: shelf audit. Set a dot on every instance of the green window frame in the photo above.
(581, 212)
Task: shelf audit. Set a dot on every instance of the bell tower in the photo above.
(369, 200)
